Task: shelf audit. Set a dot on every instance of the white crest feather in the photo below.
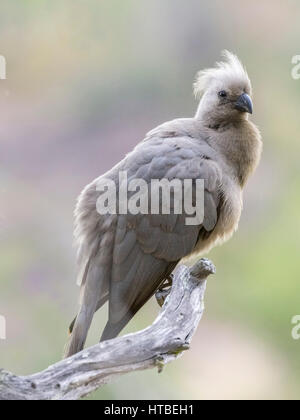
(229, 70)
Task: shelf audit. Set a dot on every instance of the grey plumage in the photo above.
(125, 258)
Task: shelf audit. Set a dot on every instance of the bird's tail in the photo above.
(94, 295)
(79, 333)
(111, 330)
(99, 305)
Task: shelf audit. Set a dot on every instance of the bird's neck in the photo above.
(240, 144)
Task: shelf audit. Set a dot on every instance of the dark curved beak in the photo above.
(244, 104)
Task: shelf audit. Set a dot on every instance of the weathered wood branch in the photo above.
(161, 343)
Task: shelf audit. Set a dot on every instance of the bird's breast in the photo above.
(228, 220)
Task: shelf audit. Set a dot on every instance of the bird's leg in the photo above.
(164, 290)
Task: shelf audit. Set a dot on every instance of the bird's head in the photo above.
(224, 91)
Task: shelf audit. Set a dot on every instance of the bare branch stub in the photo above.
(157, 345)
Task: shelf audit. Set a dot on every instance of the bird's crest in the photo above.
(229, 70)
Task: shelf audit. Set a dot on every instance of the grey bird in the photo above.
(124, 259)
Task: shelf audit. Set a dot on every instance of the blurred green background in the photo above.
(85, 81)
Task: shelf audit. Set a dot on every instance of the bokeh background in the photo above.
(85, 81)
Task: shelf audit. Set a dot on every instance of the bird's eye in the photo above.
(222, 94)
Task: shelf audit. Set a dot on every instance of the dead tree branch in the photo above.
(161, 343)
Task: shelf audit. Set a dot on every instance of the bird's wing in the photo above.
(147, 247)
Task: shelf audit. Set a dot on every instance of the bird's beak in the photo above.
(244, 104)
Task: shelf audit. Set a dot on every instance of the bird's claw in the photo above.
(164, 290)
(168, 282)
